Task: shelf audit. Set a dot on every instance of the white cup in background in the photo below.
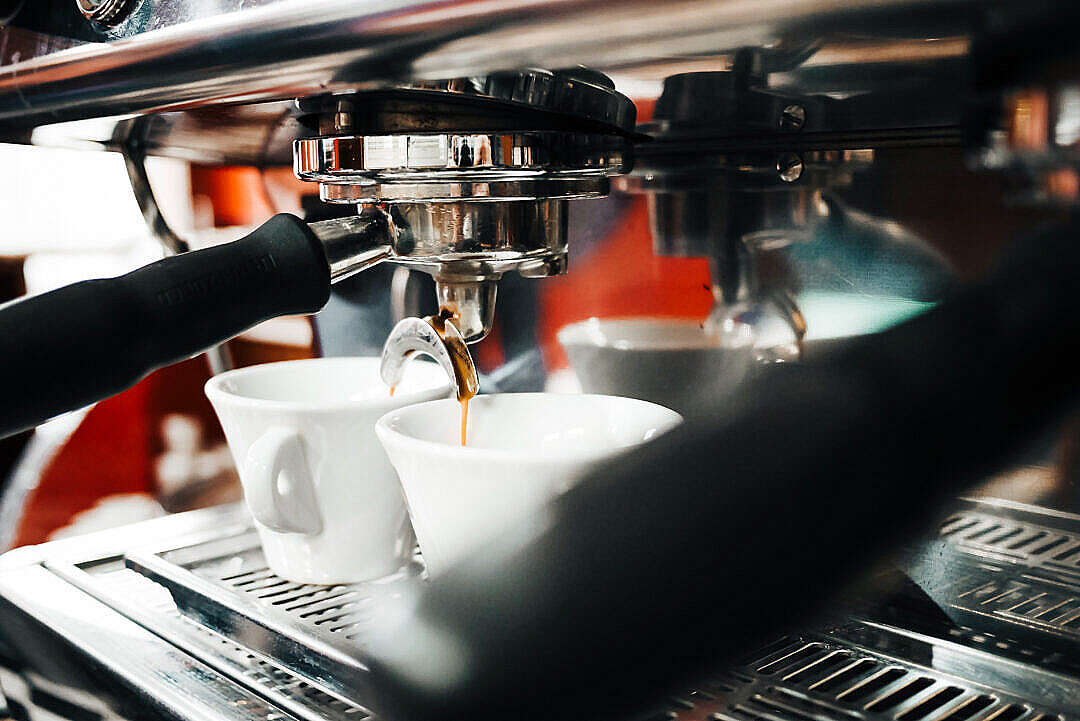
(327, 504)
(523, 449)
(668, 361)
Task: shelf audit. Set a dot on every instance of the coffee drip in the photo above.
(438, 337)
(466, 383)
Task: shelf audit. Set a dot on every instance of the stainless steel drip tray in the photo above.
(857, 671)
(1007, 569)
(315, 631)
(863, 671)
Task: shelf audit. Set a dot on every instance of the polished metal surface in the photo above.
(235, 641)
(473, 186)
(854, 670)
(1009, 569)
(547, 97)
(463, 205)
(471, 305)
(159, 533)
(449, 167)
(737, 169)
(735, 225)
(131, 638)
(151, 605)
(316, 632)
(877, 673)
(66, 623)
(465, 246)
(354, 243)
(476, 191)
(311, 47)
(466, 240)
(261, 133)
(512, 135)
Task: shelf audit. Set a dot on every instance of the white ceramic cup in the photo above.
(523, 449)
(327, 504)
(669, 361)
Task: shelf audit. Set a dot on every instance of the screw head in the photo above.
(790, 167)
(793, 117)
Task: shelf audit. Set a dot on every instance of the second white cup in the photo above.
(523, 449)
(327, 504)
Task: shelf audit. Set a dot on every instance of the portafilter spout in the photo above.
(435, 336)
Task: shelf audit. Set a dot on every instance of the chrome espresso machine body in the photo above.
(817, 543)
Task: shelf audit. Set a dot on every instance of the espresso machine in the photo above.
(818, 543)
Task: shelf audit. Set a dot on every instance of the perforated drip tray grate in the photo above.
(288, 691)
(833, 677)
(315, 631)
(850, 673)
(1009, 570)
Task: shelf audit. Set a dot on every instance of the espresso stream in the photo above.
(465, 382)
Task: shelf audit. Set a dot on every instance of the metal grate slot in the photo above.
(785, 704)
(957, 524)
(968, 709)
(872, 685)
(1051, 545)
(819, 668)
(1038, 536)
(1012, 712)
(1011, 533)
(304, 597)
(845, 676)
(796, 657)
(1054, 613)
(1068, 552)
(899, 695)
(983, 531)
(931, 703)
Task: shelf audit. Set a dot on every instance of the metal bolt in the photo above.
(793, 118)
(104, 12)
(790, 167)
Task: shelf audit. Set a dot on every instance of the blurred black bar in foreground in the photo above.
(677, 557)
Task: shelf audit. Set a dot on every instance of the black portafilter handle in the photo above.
(73, 346)
(673, 560)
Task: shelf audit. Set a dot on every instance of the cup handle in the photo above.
(278, 488)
